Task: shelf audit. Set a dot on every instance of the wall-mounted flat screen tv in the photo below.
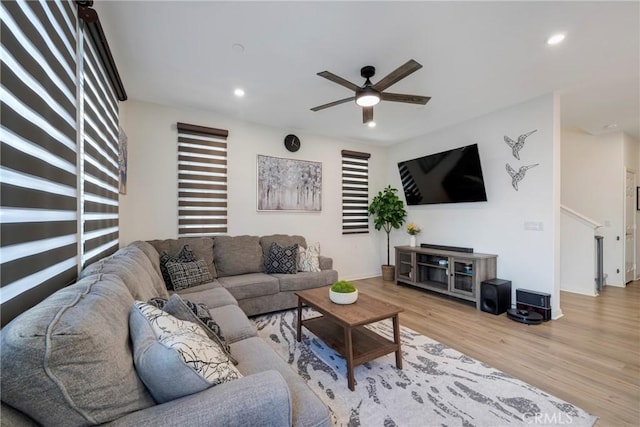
(453, 176)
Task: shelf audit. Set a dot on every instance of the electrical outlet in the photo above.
(533, 226)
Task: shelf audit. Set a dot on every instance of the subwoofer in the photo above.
(495, 296)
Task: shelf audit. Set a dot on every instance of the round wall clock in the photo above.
(292, 143)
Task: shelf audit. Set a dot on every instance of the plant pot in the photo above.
(389, 273)
(343, 298)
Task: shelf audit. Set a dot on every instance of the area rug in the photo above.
(438, 386)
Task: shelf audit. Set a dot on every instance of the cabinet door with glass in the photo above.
(404, 265)
(462, 277)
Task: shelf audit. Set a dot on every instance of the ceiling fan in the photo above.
(370, 94)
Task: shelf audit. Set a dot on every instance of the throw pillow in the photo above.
(185, 255)
(175, 358)
(199, 314)
(308, 259)
(184, 275)
(281, 259)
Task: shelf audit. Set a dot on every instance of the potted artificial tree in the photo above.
(389, 213)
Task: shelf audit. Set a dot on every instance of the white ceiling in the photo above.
(477, 57)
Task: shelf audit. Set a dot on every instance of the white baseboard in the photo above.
(593, 294)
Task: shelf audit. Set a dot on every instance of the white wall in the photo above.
(528, 258)
(593, 185)
(148, 210)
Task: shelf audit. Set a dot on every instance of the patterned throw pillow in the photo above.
(184, 275)
(308, 258)
(197, 313)
(185, 255)
(175, 358)
(281, 259)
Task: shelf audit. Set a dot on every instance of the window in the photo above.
(355, 192)
(38, 167)
(202, 180)
(58, 142)
(100, 160)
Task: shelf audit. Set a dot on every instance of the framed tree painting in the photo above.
(289, 185)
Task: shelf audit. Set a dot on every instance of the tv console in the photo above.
(454, 273)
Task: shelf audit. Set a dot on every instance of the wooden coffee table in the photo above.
(341, 327)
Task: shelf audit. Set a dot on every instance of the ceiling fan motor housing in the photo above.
(368, 71)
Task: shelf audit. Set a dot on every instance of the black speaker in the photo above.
(495, 296)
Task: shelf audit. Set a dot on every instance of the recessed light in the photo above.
(239, 93)
(556, 38)
(371, 124)
(237, 48)
(610, 126)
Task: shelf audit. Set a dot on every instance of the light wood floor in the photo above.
(590, 357)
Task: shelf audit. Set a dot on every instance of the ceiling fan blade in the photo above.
(367, 114)
(400, 73)
(399, 97)
(337, 79)
(332, 104)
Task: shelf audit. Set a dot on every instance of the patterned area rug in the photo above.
(438, 386)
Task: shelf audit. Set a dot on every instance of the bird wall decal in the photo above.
(516, 177)
(516, 146)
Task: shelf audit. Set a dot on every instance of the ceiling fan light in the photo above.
(367, 97)
(367, 100)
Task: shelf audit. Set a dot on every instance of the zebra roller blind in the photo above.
(100, 154)
(38, 175)
(355, 192)
(59, 140)
(202, 180)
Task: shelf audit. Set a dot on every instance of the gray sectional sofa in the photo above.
(69, 360)
(237, 264)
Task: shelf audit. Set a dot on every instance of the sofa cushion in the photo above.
(281, 259)
(326, 263)
(151, 253)
(308, 258)
(135, 270)
(202, 248)
(187, 274)
(175, 358)
(236, 255)
(210, 294)
(306, 280)
(68, 360)
(235, 325)
(255, 355)
(250, 285)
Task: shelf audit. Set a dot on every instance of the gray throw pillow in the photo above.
(281, 259)
(175, 358)
(187, 274)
